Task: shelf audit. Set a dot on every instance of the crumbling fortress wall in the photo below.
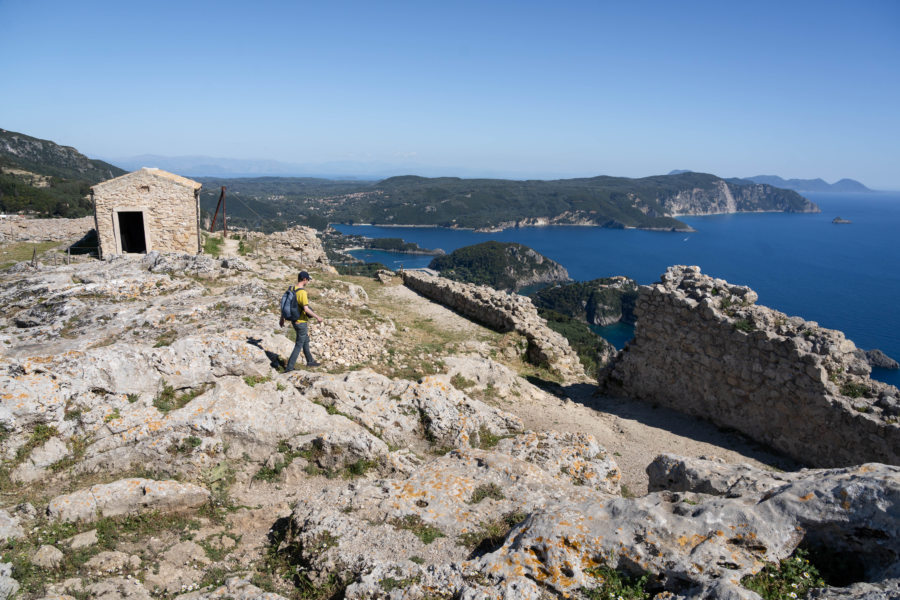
(503, 312)
(703, 347)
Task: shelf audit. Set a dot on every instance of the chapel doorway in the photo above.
(131, 232)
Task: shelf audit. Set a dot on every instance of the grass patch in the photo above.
(614, 584)
(167, 399)
(187, 445)
(486, 490)
(460, 382)
(111, 532)
(419, 528)
(487, 440)
(11, 254)
(165, 338)
(790, 578)
(212, 245)
(389, 584)
(490, 534)
(252, 380)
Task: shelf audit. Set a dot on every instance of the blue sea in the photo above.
(844, 277)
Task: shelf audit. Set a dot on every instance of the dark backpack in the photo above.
(290, 310)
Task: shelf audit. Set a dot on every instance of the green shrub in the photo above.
(614, 584)
(854, 390)
(418, 527)
(745, 325)
(791, 578)
(486, 490)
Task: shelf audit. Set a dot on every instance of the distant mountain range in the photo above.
(799, 185)
(209, 166)
(44, 178)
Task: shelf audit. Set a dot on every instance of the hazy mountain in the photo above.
(208, 166)
(811, 185)
(798, 185)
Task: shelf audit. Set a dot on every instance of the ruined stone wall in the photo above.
(169, 207)
(26, 229)
(703, 347)
(503, 312)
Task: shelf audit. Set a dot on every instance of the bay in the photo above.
(844, 277)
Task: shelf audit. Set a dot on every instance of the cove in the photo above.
(845, 277)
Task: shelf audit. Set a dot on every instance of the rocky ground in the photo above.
(152, 447)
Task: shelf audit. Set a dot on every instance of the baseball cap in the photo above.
(303, 275)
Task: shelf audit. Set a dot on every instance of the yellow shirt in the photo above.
(302, 301)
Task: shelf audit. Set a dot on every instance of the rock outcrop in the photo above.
(502, 265)
(879, 359)
(702, 347)
(503, 312)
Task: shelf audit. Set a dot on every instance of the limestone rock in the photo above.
(10, 527)
(888, 589)
(112, 561)
(8, 586)
(711, 545)
(47, 557)
(40, 458)
(83, 540)
(456, 497)
(711, 476)
(126, 496)
(118, 588)
(403, 411)
(234, 588)
(576, 455)
(877, 358)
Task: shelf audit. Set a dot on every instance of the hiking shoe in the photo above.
(314, 364)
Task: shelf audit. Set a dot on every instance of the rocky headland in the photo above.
(152, 447)
(504, 266)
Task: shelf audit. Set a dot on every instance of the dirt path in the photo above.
(634, 432)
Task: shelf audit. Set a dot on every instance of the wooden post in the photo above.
(34, 257)
(221, 205)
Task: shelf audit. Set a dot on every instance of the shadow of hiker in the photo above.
(275, 361)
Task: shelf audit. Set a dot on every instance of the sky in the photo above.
(513, 89)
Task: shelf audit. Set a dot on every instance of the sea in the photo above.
(843, 276)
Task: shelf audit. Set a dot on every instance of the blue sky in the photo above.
(518, 89)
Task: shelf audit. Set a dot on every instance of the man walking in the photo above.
(301, 325)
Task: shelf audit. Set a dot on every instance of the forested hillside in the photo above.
(43, 178)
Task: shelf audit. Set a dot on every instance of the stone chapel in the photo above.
(146, 210)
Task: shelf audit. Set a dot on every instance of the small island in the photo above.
(840, 221)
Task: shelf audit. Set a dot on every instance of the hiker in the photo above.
(301, 324)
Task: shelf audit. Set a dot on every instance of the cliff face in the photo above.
(726, 198)
(598, 302)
